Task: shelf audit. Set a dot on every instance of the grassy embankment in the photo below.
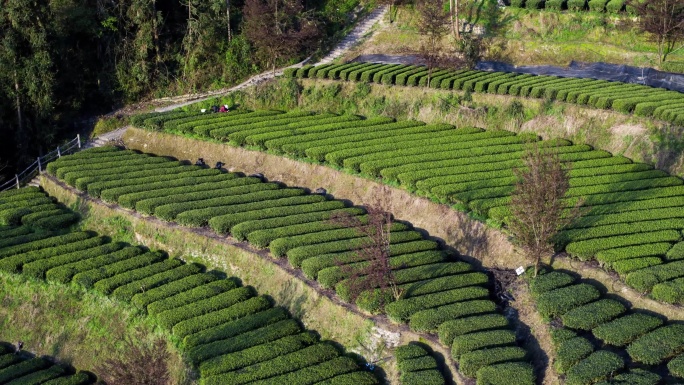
(75, 326)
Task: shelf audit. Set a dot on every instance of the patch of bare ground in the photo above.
(318, 308)
(529, 324)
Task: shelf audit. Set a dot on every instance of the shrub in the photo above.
(671, 291)
(242, 309)
(126, 292)
(89, 278)
(598, 366)
(355, 378)
(658, 345)
(625, 329)
(21, 369)
(676, 366)
(41, 376)
(471, 362)
(317, 212)
(423, 377)
(191, 296)
(550, 281)
(458, 327)
(615, 6)
(403, 309)
(560, 301)
(204, 306)
(259, 353)
(211, 356)
(426, 249)
(571, 352)
(588, 248)
(38, 268)
(314, 373)
(80, 378)
(306, 357)
(556, 5)
(534, 4)
(589, 316)
(509, 373)
(148, 296)
(481, 340)
(108, 285)
(415, 364)
(430, 319)
(299, 254)
(238, 327)
(64, 273)
(15, 263)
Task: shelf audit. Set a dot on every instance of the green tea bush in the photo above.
(80, 378)
(570, 352)
(471, 362)
(481, 340)
(189, 297)
(624, 330)
(598, 366)
(550, 281)
(211, 355)
(591, 315)
(108, 285)
(403, 309)
(126, 292)
(21, 369)
(509, 373)
(89, 278)
(458, 327)
(560, 301)
(38, 268)
(355, 378)
(242, 309)
(556, 5)
(259, 353)
(15, 263)
(670, 291)
(204, 306)
(431, 319)
(676, 366)
(64, 273)
(300, 359)
(151, 295)
(658, 345)
(240, 326)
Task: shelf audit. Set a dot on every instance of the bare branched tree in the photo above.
(433, 25)
(278, 29)
(663, 20)
(141, 365)
(537, 206)
(377, 273)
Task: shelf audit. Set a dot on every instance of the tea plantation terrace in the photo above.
(438, 289)
(634, 213)
(626, 98)
(229, 332)
(598, 337)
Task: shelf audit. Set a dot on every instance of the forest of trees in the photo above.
(64, 60)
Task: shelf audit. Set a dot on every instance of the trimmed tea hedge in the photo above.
(417, 366)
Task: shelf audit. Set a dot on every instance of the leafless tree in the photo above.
(433, 25)
(278, 29)
(663, 20)
(141, 365)
(538, 212)
(377, 273)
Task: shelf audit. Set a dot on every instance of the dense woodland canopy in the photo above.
(64, 60)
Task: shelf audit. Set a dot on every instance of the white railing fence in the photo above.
(38, 166)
